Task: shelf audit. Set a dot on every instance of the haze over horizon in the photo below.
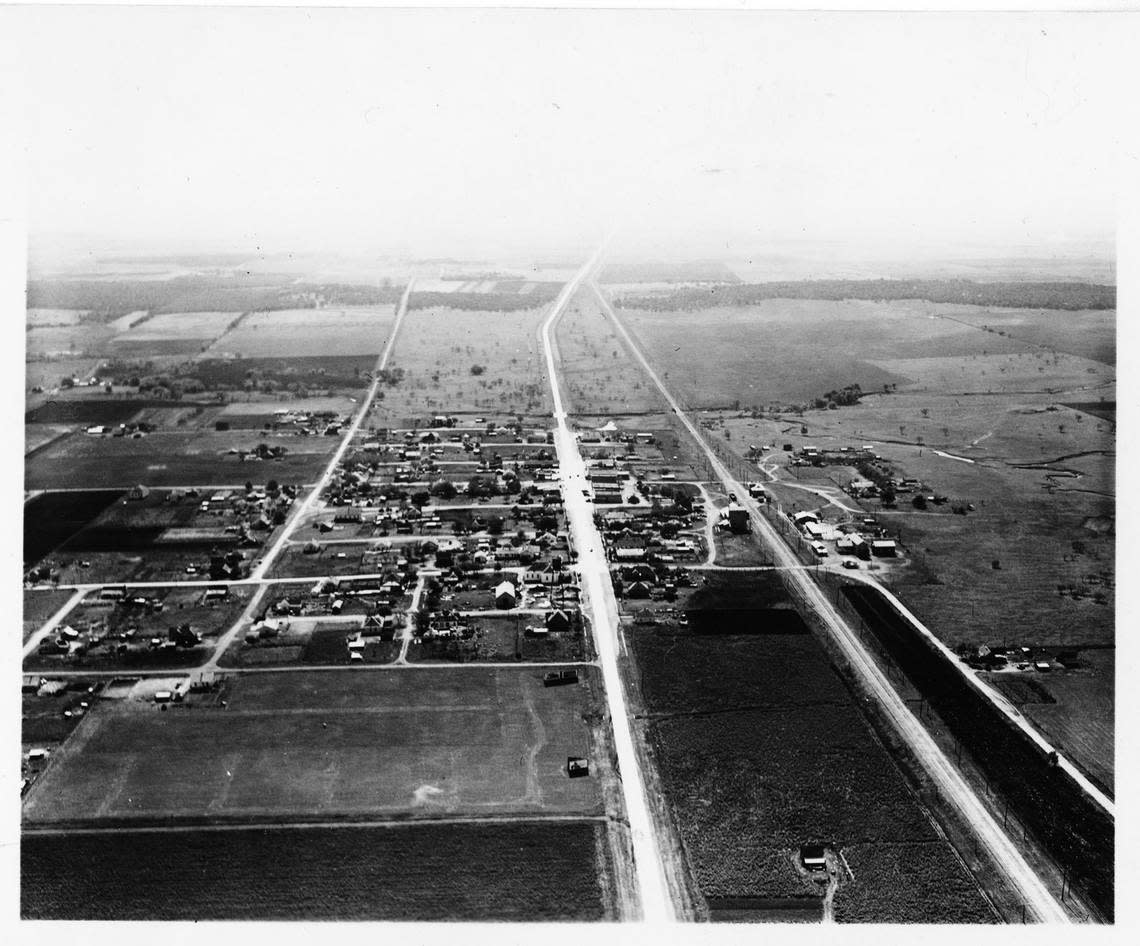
(434, 133)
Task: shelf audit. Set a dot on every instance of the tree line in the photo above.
(1027, 295)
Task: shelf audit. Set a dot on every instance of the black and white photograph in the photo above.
(637, 467)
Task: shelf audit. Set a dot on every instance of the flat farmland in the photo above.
(438, 349)
(1086, 333)
(348, 330)
(785, 351)
(196, 326)
(1016, 372)
(761, 748)
(525, 871)
(326, 744)
(597, 372)
(174, 459)
(71, 341)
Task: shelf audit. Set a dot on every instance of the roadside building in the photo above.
(505, 596)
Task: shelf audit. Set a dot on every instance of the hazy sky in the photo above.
(436, 132)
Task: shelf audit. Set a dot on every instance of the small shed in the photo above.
(884, 548)
(813, 857)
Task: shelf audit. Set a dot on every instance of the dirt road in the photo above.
(1039, 901)
(656, 904)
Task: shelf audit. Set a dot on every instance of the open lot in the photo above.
(541, 871)
(330, 743)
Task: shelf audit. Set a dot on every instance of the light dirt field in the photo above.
(178, 325)
(340, 330)
(415, 742)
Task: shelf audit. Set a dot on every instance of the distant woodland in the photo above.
(1021, 295)
(238, 293)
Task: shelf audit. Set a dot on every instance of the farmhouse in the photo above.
(505, 597)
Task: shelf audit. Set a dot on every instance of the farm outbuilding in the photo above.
(884, 548)
(813, 857)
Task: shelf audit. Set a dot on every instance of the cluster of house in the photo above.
(652, 537)
(135, 430)
(985, 657)
(863, 539)
(646, 582)
(831, 456)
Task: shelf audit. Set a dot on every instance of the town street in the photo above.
(656, 903)
(297, 514)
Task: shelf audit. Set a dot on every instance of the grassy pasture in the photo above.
(43, 318)
(349, 330)
(597, 373)
(1086, 333)
(45, 372)
(496, 640)
(1014, 373)
(1082, 720)
(40, 605)
(439, 347)
(330, 744)
(538, 871)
